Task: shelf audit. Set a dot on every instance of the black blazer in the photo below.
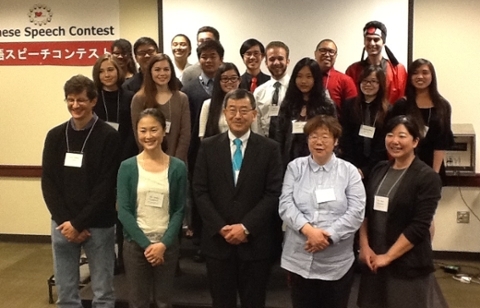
(410, 212)
(252, 202)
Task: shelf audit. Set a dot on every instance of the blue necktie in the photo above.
(237, 158)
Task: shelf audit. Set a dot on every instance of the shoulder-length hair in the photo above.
(317, 101)
(438, 101)
(149, 87)
(96, 71)
(216, 102)
(380, 103)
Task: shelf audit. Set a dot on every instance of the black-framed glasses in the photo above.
(328, 51)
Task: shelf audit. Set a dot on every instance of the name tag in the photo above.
(297, 127)
(73, 160)
(367, 131)
(113, 124)
(380, 204)
(426, 130)
(167, 126)
(273, 110)
(325, 195)
(154, 199)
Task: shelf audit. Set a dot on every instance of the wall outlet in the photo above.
(463, 217)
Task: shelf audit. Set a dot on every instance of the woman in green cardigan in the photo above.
(151, 189)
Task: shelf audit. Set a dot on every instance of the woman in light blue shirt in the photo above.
(322, 205)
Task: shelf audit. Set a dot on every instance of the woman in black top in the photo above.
(363, 118)
(113, 104)
(304, 99)
(426, 105)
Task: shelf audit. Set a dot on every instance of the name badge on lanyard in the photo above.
(154, 199)
(367, 131)
(380, 204)
(73, 160)
(297, 127)
(113, 124)
(273, 110)
(325, 195)
(168, 124)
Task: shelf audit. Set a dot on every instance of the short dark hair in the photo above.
(154, 112)
(79, 83)
(329, 122)
(212, 30)
(144, 41)
(410, 123)
(126, 49)
(326, 40)
(211, 45)
(186, 39)
(249, 44)
(278, 44)
(96, 71)
(240, 94)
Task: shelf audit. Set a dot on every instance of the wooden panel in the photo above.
(20, 171)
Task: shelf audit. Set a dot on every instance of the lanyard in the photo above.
(391, 187)
(105, 105)
(85, 142)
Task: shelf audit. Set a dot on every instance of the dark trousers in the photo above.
(317, 293)
(249, 278)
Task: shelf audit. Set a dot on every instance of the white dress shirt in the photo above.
(263, 96)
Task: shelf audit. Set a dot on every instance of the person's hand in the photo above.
(68, 231)
(224, 231)
(82, 236)
(236, 235)
(381, 261)
(367, 255)
(155, 253)
(317, 239)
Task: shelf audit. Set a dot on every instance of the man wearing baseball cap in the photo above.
(375, 35)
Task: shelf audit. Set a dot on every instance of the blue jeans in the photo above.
(100, 251)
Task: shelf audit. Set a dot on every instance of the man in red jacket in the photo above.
(375, 35)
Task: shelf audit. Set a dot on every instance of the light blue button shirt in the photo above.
(341, 217)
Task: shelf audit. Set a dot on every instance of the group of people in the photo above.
(325, 154)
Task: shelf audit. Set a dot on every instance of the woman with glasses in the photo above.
(363, 118)
(395, 245)
(122, 50)
(322, 205)
(160, 90)
(181, 50)
(212, 119)
(305, 98)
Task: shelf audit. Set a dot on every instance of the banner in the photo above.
(57, 32)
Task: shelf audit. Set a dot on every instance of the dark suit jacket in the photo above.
(252, 202)
(410, 212)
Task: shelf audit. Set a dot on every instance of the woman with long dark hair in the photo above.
(212, 119)
(304, 99)
(363, 119)
(425, 104)
(160, 90)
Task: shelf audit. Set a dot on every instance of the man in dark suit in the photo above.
(237, 183)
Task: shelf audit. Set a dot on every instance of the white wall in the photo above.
(300, 24)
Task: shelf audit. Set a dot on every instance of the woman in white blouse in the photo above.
(322, 205)
(212, 120)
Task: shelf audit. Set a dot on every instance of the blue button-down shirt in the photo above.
(341, 217)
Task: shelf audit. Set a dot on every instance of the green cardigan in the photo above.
(127, 182)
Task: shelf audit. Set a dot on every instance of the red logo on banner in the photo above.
(77, 53)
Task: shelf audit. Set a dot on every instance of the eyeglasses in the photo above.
(231, 79)
(143, 53)
(328, 51)
(323, 138)
(119, 54)
(366, 82)
(248, 54)
(234, 111)
(80, 101)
